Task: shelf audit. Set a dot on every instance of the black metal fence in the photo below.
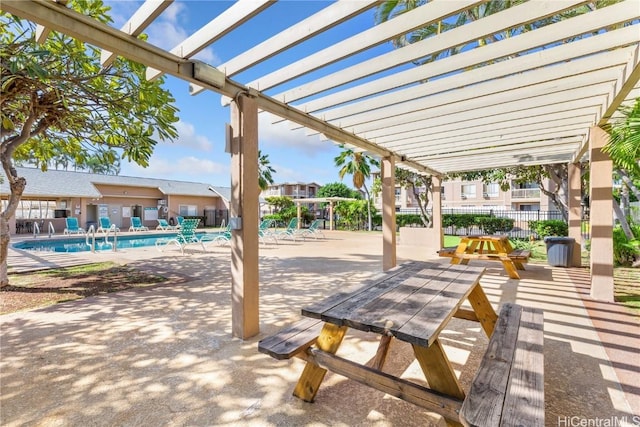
(520, 219)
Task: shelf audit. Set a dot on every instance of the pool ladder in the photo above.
(36, 229)
(91, 232)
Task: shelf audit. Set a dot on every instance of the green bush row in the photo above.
(549, 227)
(487, 223)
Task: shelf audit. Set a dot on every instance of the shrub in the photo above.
(491, 225)
(549, 227)
(408, 220)
(625, 251)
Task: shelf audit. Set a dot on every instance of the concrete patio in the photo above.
(164, 355)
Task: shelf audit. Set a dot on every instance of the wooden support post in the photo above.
(437, 210)
(438, 370)
(575, 211)
(381, 354)
(601, 216)
(329, 341)
(244, 205)
(387, 170)
(330, 215)
(483, 309)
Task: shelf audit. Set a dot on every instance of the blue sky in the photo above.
(198, 153)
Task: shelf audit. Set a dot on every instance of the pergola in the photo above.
(530, 97)
(330, 200)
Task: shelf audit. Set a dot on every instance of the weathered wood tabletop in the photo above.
(413, 303)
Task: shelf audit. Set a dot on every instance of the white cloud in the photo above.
(287, 174)
(209, 56)
(167, 31)
(196, 166)
(188, 138)
(187, 168)
(280, 135)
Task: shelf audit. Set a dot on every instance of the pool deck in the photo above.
(164, 355)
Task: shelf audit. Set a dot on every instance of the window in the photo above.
(30, 209)
(188, 210)
(468, 191)
(523, 207)
(491, 190)
(524, 185)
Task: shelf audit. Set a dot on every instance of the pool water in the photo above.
(79, 244)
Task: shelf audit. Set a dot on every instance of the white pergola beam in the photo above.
(471, 119)
(42, 32)
(426, 14)
(506, 90)
(501, 21)
(425, 149)
(516, 158)
(586, 23)
(141, 19)
(237, 14)
(327, 18)
(512, 148)
(628, 79)
(491, 127)
(476, 83)
(495, 106)
(332, 15)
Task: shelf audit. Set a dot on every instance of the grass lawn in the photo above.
(27, 291)
(626, 280)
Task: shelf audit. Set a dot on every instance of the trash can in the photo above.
(559, 250)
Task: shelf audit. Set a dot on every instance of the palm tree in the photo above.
(359, 166)
(264, 171)
(624, 140)
(623, 147)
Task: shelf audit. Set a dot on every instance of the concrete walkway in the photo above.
(164, 355)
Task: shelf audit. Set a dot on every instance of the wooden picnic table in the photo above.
(488, 248)
(412, 303)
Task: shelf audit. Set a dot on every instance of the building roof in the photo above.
(59, 183)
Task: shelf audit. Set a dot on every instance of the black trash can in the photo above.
(559, 250)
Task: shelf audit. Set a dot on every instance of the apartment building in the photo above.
(294, 190)
(459, 194)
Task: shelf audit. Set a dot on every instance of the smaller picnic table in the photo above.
(488, 248)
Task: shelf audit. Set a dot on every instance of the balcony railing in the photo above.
(525, 193)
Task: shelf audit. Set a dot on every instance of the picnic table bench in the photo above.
(413, 303)
(488, 248)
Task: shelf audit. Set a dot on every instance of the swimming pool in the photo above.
(79, 244)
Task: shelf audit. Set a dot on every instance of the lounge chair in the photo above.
(221, 238)
(313, 230)
(291, 232)
(73, 227)
(164, 225)
(265, 232)
(106, 226)
(136, 224)
(179, 219)
(186, 236)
